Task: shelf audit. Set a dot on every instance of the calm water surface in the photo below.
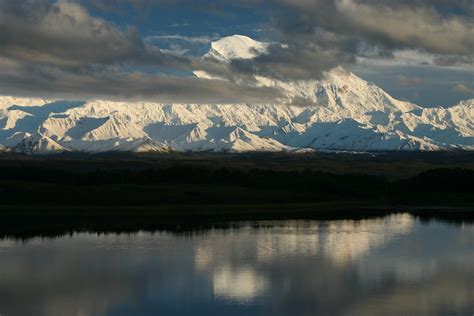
(395, 265)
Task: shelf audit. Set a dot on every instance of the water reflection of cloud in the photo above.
(241, 285)
(374, 266)
(341, 241)
(277, 242)
(348, 240)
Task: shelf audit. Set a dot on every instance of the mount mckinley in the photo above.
(343, 112)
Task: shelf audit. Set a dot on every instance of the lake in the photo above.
(393, 265)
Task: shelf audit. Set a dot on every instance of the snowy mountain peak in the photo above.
(236, 47)
(338, 112)
(37, 144)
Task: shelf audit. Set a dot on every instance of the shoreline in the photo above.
(24, 222)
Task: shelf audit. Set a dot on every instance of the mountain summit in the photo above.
(236, 47)
(339, 112)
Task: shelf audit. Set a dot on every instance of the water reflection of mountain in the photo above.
(364, 267)
(342, 241)
(339, 241)
(348, 240)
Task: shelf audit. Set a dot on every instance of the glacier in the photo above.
(340, 111)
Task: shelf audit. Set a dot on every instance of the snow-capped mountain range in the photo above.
(339, 112)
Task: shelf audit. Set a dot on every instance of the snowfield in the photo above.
(339, 112)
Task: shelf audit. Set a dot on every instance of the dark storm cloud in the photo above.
(298, 59)
(59, 49)
(43, 43)
(438, 26)
(442, 27)
(321, 34)
(113, 84)
(454, 60)
(65, 34)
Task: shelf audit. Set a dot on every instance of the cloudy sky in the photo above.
(418, 50)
